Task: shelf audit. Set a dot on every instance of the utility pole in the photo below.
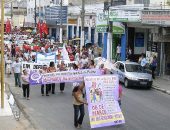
(11, 10)
(109, 36)
(39, 11)
(82, 24)
(35, 13)
(2, 53)
(61, 29)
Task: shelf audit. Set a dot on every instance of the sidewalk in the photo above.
(8, 122)
(162, 84)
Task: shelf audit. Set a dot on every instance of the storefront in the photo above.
(159, 37)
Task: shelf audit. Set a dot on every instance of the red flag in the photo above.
(45, 28)
(8, 26)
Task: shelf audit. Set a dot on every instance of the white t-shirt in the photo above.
(26, 55)
(17, 67)
(118, 50)
(143, 62)
(43, 49)
(90, 51)
(8, 62)
(83, 62)
(77, 57)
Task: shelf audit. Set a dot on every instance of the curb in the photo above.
(161, 89)
(20, 106)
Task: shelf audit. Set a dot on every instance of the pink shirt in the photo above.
(25, 79)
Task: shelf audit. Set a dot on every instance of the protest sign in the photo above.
(102, 97)
(45, 57)
(63, 76)
(37, 66)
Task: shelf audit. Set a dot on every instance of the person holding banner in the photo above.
(91, 64)
(78, 104)
(43, 71)
(25, 84)
(62, 67)
(52, 69)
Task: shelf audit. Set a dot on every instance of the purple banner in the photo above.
(64, 76)
(102, 97)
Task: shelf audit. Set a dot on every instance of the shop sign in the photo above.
(72, 21)
(102, 24)
(156, 17)
(125, 15)
(88, 22)
(53, 14)
(118, 28)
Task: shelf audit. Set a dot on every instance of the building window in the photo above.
(146, 2)
(29, 11)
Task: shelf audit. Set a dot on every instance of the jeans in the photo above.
(42, 89)
(51, 87)
(62, 85)
(153, 71)
(78, 119)
(143, 69)
(26, 90)
(17, 79)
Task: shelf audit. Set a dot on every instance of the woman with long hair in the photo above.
(78, 105)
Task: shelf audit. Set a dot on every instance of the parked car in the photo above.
(131, 74)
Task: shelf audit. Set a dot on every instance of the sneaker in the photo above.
(47, 95)
(42, 94)
(80, 126)
(28, 98)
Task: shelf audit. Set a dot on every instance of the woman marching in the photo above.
(52, 69)
(78, 105)
(8, 66)
(62, 67)
(25, 85)
(43, 71)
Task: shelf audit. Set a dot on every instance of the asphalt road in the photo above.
(143, 110)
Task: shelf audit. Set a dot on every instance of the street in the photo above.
(143, 110)
(97, 43)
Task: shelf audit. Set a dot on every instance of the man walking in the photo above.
(17, 72)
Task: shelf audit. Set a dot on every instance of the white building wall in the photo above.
(31, 7)
(152, 2)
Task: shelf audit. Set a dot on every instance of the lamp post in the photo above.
(82, 24)
(61, 29)
(35, 13)
(2, 53)
(109, 31)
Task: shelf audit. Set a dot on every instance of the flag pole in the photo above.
(2, 53)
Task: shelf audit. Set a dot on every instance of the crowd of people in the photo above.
(145, 64)
(23, 48)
